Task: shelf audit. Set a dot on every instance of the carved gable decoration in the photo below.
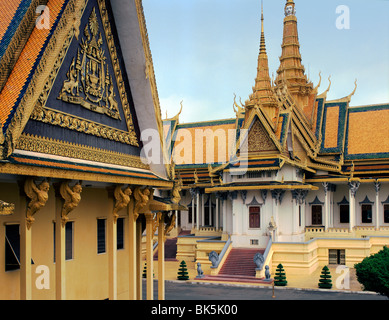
(88, 82)
(87, 100)
(258, 139)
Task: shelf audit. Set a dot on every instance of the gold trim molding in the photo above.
(37, 144)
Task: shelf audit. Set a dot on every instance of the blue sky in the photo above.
(204, 51)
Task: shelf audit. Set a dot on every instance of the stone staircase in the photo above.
(240, 263)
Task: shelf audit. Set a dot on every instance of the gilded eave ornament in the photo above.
(39, 194)
(122, 198)
(72, 197)
(89, 83)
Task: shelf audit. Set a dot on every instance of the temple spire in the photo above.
(291, 71)
(263, 94)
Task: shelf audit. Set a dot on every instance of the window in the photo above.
(367, 216)
(254, 217)
(12, 247)
(344, 213)
(120, 233)
(190, 215)
(100, 235)
(299, 216)
(68, 240)
(317, 215)
(337, 256)
(386, 213)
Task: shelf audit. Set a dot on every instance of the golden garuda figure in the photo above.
(38, 195)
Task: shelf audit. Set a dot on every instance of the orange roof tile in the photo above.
(331, 125)
(7, 12)
(204, 143)
(368, 131)
(23, 67)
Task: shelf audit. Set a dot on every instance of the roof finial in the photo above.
(262, 45)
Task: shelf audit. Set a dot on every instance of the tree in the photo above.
(373, 272)
(280, 278)
(183, 271)
(325, 281)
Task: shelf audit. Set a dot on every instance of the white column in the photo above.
(193, 213)
(217, 214)
(327, 200)
(197, 210)
(202, 209)
(353, 187)
(224, 208)
(377, 187)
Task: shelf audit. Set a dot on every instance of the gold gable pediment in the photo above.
(93, 81)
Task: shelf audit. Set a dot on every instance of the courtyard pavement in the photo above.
(302, 286)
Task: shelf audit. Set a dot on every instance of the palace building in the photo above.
(300, 178)
(77, 89)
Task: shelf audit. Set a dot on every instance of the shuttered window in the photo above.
(100, 235)
(120, 233)
(254, 217)
(69, 230)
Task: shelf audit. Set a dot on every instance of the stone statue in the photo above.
(259, 260)
(200, 272)
(214, 258)
(267, 273)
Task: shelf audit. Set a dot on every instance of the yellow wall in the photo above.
(307, 257)
(87, 273)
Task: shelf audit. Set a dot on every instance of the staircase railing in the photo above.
(221, 258)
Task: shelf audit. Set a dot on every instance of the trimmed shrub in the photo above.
(280, 278)
(183, 271)
(325, 281)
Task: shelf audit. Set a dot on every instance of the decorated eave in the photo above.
(268, 185)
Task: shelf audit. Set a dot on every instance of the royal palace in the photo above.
(93, 181)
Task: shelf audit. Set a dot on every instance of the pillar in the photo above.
(149, 256)
(353, 187)
(193, 214)
(25, 254)
(138, 260)
(132, 254)
(377, 186)
(112, 252)
(161, 259)
(217, 214)
(197, 211)
(202, 209)
(327, 200)
(60, 257)
(224, 208)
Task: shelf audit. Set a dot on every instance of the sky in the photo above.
(205, 51)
